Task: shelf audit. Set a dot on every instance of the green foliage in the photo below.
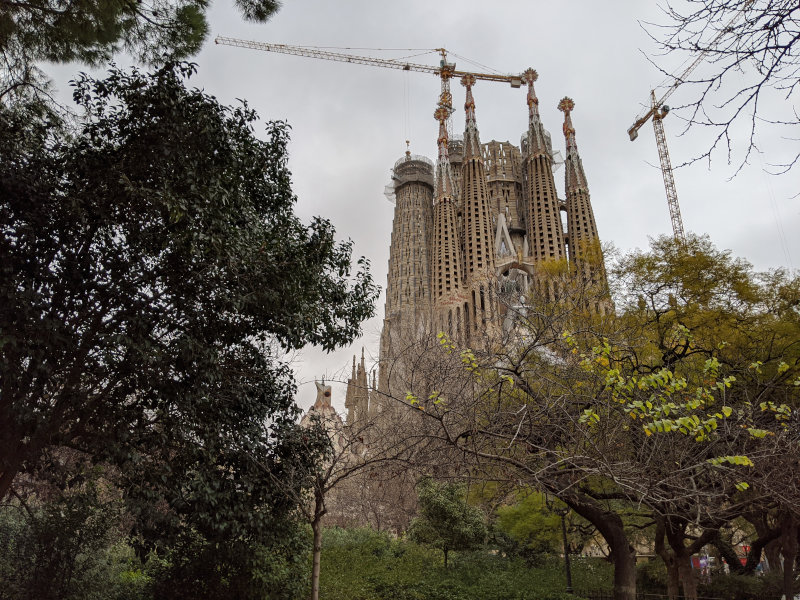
(154, 276)
(531, 525)
(706, 340)
(68, 549)
(153, 260)
(73, 549)
(742, 587)
(446, 521)
(92, 32)
(651, 576)
(366, 565)
(196, 567)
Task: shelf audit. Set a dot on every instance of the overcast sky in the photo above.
(350, 122)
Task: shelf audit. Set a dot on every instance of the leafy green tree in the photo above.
(446, 521)
(530, 524)
(92, 32)
(679, 405)
(153, 276)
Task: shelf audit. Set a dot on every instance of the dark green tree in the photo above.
(445, 519)
(153, 276)
(92, 32)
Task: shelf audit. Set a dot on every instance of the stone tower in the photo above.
(357, 396)
(581, 227)
(449, 309)
(484, 228)
(543, 219)
(479, 250)
(409, 286)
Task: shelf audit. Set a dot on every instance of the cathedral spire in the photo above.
(472, 142)
(537, 143)
(447, 261)
(542, 219)
(444, 174)
(582, 238)
(575, 176)
(478, 230)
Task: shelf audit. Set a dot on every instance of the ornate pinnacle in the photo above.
(575, 177)
(536, 135)
(444, 184)
(530, 75)
(441, 114)
(471, 139)
(468, 81)
(566, 105)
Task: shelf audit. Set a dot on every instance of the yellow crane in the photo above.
(658, 110)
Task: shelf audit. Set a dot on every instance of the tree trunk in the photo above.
(673, 577)
(688, 576)
(624, 571)
(610, 526)
(766, 541)
(789, 551)
(8, 475)
(729, 554)
(316, 527)
(772, 552)
(675, 531)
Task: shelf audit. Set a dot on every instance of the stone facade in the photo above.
(486, 223)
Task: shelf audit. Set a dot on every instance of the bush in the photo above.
(651, 576)
(743, 587)
(69, 549)
(366, 565)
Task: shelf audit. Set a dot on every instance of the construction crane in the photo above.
(445, 71)
(658, 110)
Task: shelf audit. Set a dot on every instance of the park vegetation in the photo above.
(154, 277)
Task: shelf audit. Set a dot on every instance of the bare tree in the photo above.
(365, 461)
(754, 55)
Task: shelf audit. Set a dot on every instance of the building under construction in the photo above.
(483, 219)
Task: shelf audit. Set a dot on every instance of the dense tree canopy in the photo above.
(445, 519)
(153, 273)
(92, 32)
(679, 406)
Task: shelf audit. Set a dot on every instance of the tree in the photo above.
(752, 47)
(535, 528)
(360, 456)
(153, 276)
(446, 521)
(92, 32)
(678, 406)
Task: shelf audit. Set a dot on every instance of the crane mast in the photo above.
(666, 171)
(658, 110)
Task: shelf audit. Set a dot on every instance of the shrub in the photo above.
(742, 587)
(651, 576)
